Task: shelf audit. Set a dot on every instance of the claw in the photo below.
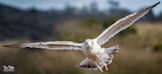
(99, 67)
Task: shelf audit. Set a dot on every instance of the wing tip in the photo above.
(154, 5)
(12, 46)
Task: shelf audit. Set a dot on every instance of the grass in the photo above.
(134, 57)
(157, 47)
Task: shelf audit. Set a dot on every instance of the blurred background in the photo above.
(76, 20)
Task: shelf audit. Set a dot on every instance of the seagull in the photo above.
(96, 57)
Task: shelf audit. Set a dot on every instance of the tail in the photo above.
(112, 50)
(88, 64)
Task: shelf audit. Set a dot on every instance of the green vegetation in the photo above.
(157, 47)
(109, 22)
(90, 22)
(131, 59)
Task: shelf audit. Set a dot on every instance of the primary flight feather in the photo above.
(96, 56)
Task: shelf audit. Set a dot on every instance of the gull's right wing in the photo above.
(121, 25)
(52, 45)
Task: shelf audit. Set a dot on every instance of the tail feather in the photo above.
(112, 50)
(88, 64)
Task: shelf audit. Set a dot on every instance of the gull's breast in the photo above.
(92, 53)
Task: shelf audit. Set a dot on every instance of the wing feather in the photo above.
(52, 45)
(121, 25)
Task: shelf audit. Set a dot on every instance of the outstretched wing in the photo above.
(53, 45)
(121, 25)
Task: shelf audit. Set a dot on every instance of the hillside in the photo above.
(39, 25)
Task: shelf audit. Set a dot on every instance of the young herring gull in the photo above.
(96, 56)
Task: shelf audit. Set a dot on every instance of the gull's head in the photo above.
(87, 43)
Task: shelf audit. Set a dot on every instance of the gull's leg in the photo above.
(99, 67)
(106, 68)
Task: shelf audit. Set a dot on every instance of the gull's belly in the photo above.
(93, 53)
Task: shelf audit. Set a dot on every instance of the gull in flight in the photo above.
(96, 56)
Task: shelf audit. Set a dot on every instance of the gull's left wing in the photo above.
(52, 45)
(121, 25)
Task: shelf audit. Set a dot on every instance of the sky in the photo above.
(133, 5)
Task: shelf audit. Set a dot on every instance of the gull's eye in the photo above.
(86, 43)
